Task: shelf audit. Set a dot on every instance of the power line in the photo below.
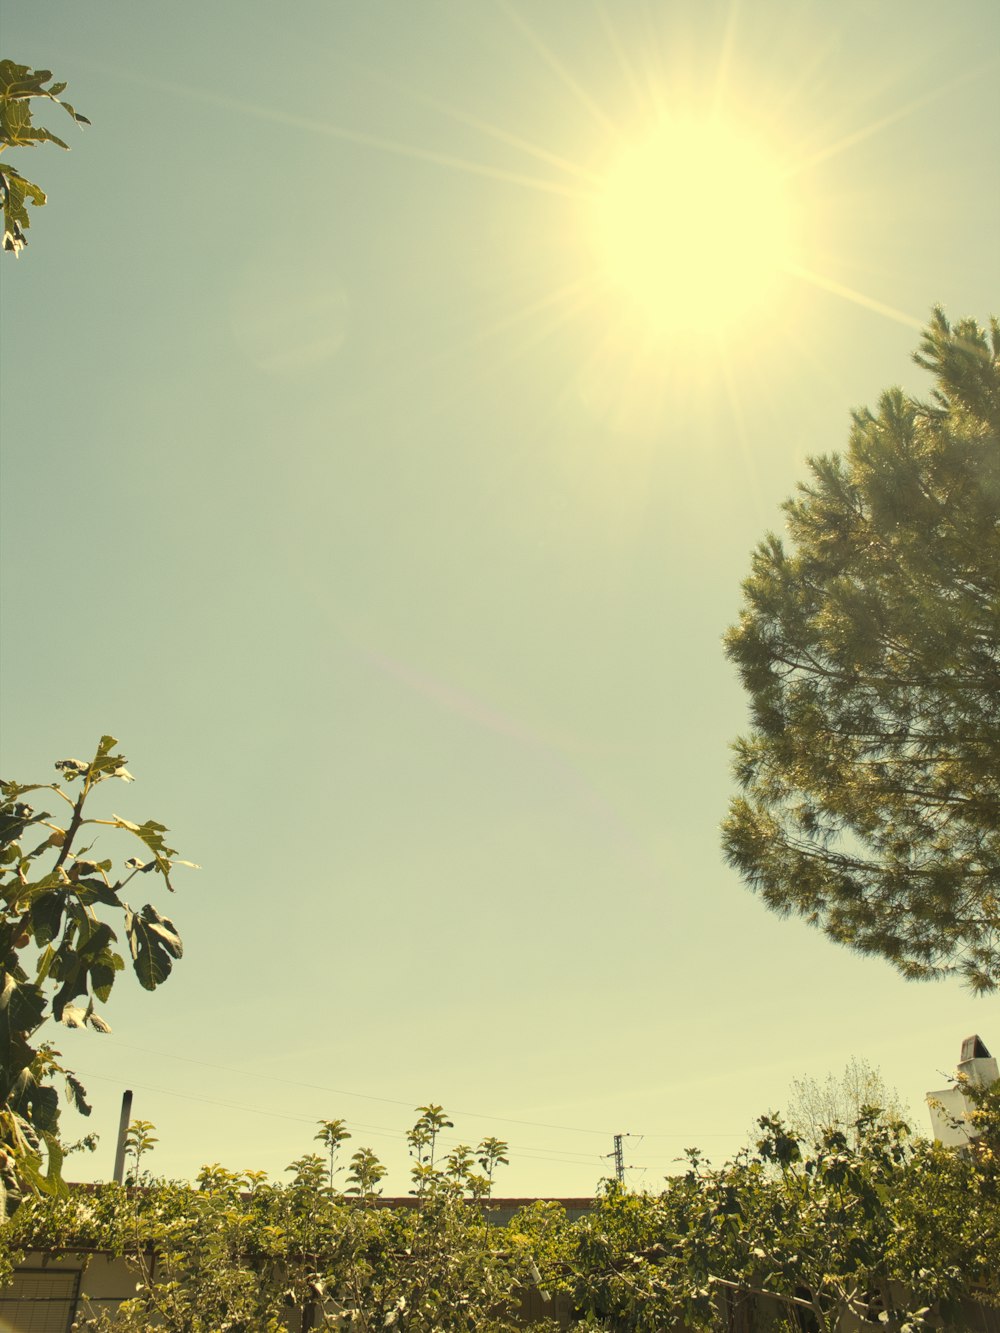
(568, 1156)
(397, 1101)
(343, 1092)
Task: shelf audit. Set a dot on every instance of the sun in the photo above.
(694, 226)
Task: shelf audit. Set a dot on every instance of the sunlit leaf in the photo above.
(154, 943)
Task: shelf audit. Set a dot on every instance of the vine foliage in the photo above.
(858, 1227)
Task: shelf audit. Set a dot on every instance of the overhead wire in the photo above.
(362, 1096)
(531, 1152)
(398, 1101)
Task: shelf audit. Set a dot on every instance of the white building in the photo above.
(950, 1108)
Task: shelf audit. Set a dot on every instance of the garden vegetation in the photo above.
(864, 1227)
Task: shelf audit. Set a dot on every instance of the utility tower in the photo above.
(619, 1156)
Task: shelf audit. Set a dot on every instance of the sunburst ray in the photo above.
(852, 294)
(492, 131)
(557, 67)
(847, 141)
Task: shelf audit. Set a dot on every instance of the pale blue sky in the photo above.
(339, 489)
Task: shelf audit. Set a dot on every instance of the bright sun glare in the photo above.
(693, 226)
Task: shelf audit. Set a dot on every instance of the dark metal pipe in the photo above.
(122, 1132)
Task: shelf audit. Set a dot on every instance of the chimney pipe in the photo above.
(122, 1131)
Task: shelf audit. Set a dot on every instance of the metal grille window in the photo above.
(40, 1300)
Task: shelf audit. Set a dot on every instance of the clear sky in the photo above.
(386, 489)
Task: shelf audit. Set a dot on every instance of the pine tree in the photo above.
(870, 649)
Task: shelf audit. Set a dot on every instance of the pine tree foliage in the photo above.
(870, 649)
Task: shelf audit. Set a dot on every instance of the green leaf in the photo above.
(17, 130)
(22, 80)
(13, 791)
(74, 984)
(102, 974)
(54, 879)
(22, 1004)
(154, 942)
(77, 1093)
(45, 961)
(40, 1104)
(107, 765)
(15, 817)
(15, 191)
(94, 938)
(46, 916)
(150, 834)
(90, 891)
(53, 1170)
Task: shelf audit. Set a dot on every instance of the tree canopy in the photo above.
(870, 649)
(841, 1101)
(55, 949)
(19, 86)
